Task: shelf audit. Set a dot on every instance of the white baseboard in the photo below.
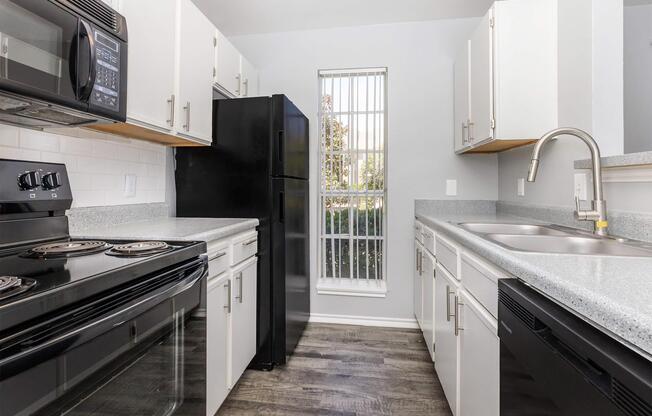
(363, 321)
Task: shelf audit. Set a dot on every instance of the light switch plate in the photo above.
(451, 187)
(581, 186)
(520, 187)
(130, 186)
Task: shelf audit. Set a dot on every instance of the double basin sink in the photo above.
(556, 239)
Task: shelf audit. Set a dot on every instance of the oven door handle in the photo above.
(89, 330)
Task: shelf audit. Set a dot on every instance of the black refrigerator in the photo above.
(258, 167)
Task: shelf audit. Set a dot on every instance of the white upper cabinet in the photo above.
(512, 77)
(195, 74)
(227, 66)
(462, 98)
(151, 75)
(249, 78)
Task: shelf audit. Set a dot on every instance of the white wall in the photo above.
(638, 78)
(420, 129)
(97, 166)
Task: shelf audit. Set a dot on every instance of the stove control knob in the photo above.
(51, 181)
(29, 180)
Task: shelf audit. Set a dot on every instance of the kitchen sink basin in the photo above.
(568, 244)
(514, 229)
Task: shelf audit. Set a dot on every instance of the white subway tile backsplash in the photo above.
(97, 163)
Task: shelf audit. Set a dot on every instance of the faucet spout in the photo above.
(599, 213)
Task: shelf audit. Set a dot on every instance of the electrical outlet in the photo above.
(520, 187)
(130, 186)
(581, 186)
(451, 187)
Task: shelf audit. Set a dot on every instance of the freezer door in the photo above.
(291, 264)
(289, 139)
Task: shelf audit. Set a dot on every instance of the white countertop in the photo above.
(170, 228)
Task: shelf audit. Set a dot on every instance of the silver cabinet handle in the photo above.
(239, 279)
(171, 102)
(464, 136)
(217, 256)
(448, 303)
(250, 242)
(187, 109)
(246, 87)
(457, 316)
(228, 303)
(239, 78)
(471, 138)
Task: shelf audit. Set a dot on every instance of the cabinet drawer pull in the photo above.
(457, 316)
(237, 90)
(217, 256)
(449, 292)
(246, 88)
(250, 242)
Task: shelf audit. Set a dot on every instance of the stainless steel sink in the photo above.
(516, 229)
(568, 244)
(533, 238)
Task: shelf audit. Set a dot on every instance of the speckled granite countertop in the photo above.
(612, 293)
(169, 228)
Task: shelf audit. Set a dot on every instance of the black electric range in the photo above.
(88, 324)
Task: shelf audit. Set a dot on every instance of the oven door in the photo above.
(138, 351)
(38, 44)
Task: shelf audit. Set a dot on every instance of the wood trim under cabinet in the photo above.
(133, 131)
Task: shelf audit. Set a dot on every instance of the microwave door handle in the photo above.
(30, 355)
(87, 33)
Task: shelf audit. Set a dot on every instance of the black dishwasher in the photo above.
(552, 363)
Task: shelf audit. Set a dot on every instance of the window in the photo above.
(352, 123)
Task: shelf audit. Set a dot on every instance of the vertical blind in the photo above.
(352, 124)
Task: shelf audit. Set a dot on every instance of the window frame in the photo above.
(354, 286)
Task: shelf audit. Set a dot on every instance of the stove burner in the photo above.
(68, 248)
(139, 249)
(13, 286)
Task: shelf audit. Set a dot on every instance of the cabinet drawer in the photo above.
(429, 240)
(447, 255)
(481, 280)
(218, 260)
(244, 247)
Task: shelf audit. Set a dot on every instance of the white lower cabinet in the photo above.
(243, 320)
(447, 347)
(428, 278)
(479, 360)
(418, 283)
(230, 318)
(217, 329)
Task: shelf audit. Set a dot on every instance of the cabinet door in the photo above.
(227, 74)
(195, 55)
(243, 342)
(462, 98)
(418, 284)
(217, 339)
(479, 361)
(151, 70)
(429, 302)
(249, 79)
(446, 351)
(481, 74)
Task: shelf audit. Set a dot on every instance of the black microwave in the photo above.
(63, 63)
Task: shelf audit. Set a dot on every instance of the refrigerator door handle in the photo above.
(281, 207)
(281, 143)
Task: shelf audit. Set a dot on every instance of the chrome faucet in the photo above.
(598, 213)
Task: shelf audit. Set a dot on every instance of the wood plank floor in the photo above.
(345, 370)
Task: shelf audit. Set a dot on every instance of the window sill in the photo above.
(352, 287)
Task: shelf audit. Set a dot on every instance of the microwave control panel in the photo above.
(106, 91)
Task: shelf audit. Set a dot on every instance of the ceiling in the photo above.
(243, 17)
